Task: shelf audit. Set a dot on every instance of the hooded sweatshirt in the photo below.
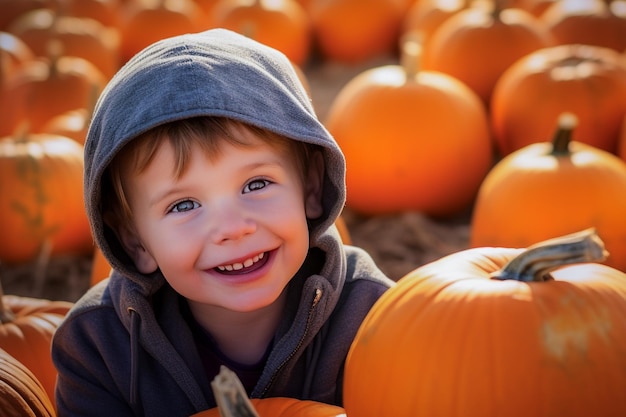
(127, 347)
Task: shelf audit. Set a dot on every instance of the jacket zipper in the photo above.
(316, 299)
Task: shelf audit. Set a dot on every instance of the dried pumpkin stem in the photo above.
(537, 261)
(231, 397)
(411, 48)
(563, 135)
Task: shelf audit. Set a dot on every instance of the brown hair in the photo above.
(207, 132)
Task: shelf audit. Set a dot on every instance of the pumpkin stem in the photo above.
(54, 50)
(537, 261)
(231, 397)
(411, 48)
(563, 135)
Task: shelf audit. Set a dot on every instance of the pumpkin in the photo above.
(425, 16)
(477, 44)
(471, 334)
(355, 31)
(591, 22)
(100, 268)
(45, 87)
(413, 140)
(107, 12)
(26, 329)
(233, 401)
(621, 145)
(143, 23)
(72, 124)
(280, 24)
(587, 80)
(21, 393)
(41, 198)
(553, 188)
(79, 36)
(14, 52)
(11, 9)
(283, 407)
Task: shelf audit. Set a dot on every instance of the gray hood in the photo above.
(213, 73)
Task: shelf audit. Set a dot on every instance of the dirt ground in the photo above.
(398, 243)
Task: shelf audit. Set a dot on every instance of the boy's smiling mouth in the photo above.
(247, 265)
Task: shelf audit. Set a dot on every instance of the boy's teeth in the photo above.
(238, 265)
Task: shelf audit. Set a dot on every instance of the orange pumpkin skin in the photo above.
(591, 22)
(355, 31)
(285, 407)
(44, 88)
(41, 198)
(589, 81)
(621, 145)
(459, 344)
(143, 23)
(72, 124)
(21, 393)
(28, 334)
(82, 37)
(282, 24)
(476, 45)
(411, 142)
(532, 194)
(425, 16)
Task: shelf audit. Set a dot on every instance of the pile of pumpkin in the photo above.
(515, 110)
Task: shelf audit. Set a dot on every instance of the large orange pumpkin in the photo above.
(281, 24)
(413, 140)
(553, 188)
(26, 329)
(41, 198)
(477, 44)
(21, 393)
(468, 336)
(587, 80)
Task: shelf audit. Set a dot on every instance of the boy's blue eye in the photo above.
(255, 185)
(183, 206)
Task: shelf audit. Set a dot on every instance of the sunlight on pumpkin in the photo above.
(391, 75)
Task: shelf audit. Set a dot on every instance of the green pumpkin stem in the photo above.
(537, 261)
(563, 135)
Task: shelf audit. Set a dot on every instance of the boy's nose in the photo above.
(230, 223)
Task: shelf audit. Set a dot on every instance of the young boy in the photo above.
(212, 189)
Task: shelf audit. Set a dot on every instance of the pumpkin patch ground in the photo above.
(398, 242)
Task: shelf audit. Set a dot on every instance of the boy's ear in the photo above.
(313, 187)
(144, 262)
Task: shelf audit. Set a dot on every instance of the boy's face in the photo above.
(232, 231)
